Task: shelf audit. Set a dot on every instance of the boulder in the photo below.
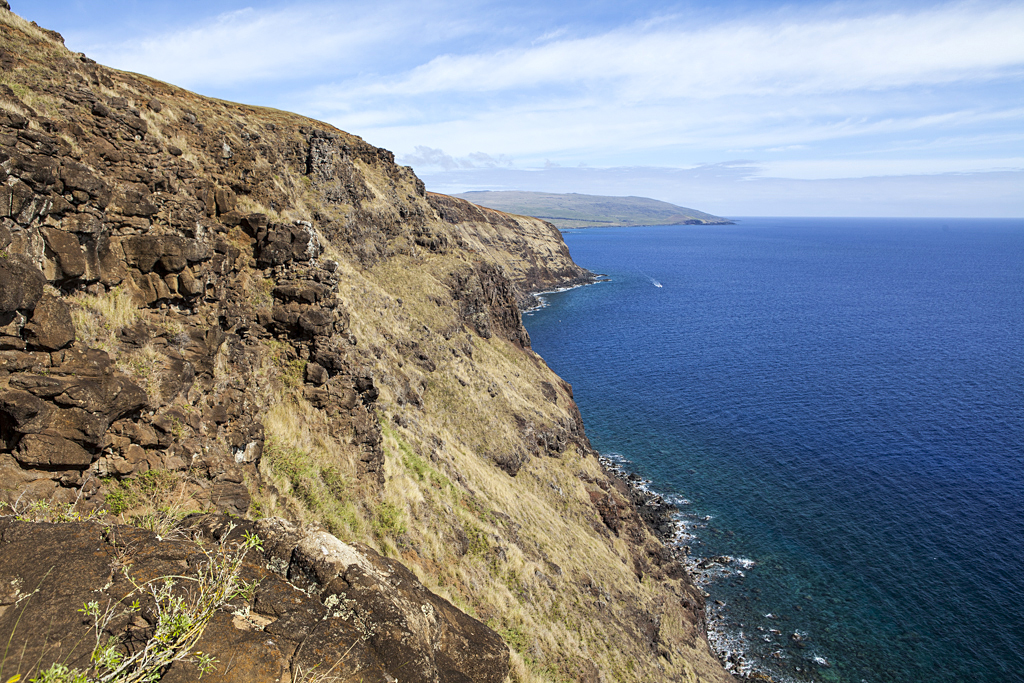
(43, 451)
(410, 631)
(225, 199)
(78, 177)
(67, 252)
(373, 621)
(51, 326)
(278, 244)
(21, 284)
(163, 253)
(303, 292)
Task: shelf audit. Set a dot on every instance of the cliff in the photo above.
(208, 307)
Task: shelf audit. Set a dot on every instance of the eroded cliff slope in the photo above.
(207, 306)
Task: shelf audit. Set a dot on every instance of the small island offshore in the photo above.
(589, 211)
(268, 413)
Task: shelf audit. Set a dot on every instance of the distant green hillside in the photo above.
(587, 210)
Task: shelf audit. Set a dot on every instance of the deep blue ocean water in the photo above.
(838, 407)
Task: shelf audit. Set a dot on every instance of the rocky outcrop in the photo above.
(318, 605)
(530, 251)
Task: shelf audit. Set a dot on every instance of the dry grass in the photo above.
(98, 318)
(156, 500)
(312, 472)
(28, 28)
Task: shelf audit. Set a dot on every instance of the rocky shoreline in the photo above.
(662, 518)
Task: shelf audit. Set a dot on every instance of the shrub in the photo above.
(387, 521)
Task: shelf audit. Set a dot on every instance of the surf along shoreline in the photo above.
(676, 531)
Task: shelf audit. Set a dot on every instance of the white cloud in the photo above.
(810, 93)
(428, 157)
(818, 169)
(294, 42)
(824, 55)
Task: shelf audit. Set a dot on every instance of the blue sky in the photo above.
(737, 108)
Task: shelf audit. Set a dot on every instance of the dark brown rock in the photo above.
(40, 450)
(164, 253)
(303, 292)
(137, 201)
(278, 244)
(21, 284)
(225, 199)
(76, 176)
(67, 251)
(411, 632)
(82, 223)
(51, 326)
(387, 627)
(316, 374)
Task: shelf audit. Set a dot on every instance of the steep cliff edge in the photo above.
(207, 306)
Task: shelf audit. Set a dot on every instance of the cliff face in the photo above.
(207, 306)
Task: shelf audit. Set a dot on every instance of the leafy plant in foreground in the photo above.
(183, 606)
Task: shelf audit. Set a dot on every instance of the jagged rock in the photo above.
(68, 253)
(279, 244)
(302, 292)
(59, 419)
(80, 223)
(43, 451)
(410, 631)
(166, 253)
(316, 374)
(78, 177)
(51, 326)
(372, 619)
(21, 284)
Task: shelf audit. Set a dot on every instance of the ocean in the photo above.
(837, 408)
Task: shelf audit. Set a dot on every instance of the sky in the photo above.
(901, 108)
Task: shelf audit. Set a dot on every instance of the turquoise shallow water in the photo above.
(838, 407)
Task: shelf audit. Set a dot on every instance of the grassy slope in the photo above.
(585, 210)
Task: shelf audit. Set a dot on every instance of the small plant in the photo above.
(514, 638)
(155, 500)
(293, 373)
(45, 511)
(387, 521)
(477, 541)
(183, 606)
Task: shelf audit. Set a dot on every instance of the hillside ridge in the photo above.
(214, 315)
(573, 210)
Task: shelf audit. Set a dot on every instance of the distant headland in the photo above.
(589, 211)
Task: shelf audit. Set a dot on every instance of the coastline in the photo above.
(666, 521)
(540, 302)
